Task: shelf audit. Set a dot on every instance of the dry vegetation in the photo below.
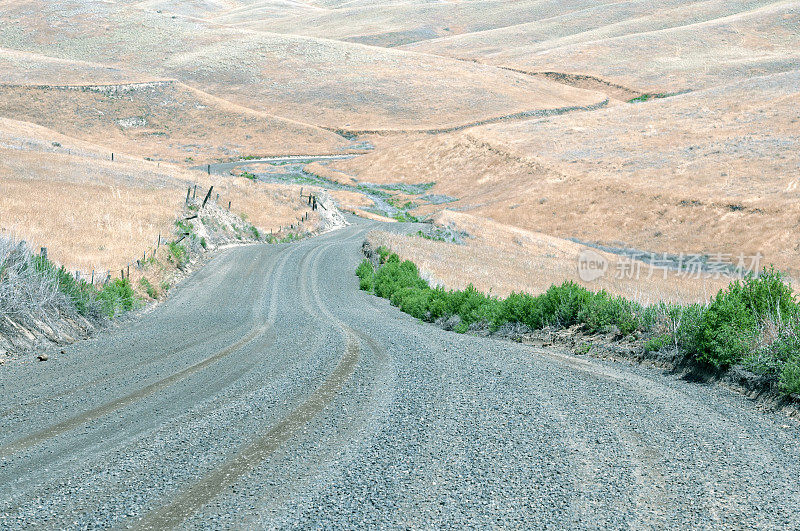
(92, 213)
(501, 259)
(317, 81)
(707, 172)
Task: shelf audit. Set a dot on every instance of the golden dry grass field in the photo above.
(91, 213)
(517, 110)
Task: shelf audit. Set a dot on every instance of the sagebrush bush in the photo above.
(365, 273)
(117, 296)
(729, 327)
(603, 312)
(729, 330)
(395, 275)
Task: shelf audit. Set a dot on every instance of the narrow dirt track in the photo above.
(269, 392)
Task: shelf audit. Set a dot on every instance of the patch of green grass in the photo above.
(405, 217)
(433, 236)
(203, 242)
(164, 286)
(256, 234)
(183, 226)
(148, 288)
(583, 348)
(177, 254)
(653, 96)
(248, 175)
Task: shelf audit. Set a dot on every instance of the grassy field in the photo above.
(501, 259)
(706, 172)
(92, 213)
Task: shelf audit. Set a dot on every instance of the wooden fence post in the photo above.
(112, 157)
(208, 169)
(207, 196)
(229, 206)
(194, 195)
(44, 253)
(188, 192)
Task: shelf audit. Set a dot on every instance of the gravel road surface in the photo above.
(268, 391)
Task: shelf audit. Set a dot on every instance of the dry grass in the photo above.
(708, 172)
(161, 121)
(501, 259)
(92, 213)
(331, 174)
(657, 46)
(316, 81)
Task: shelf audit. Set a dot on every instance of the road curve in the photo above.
(269, 392)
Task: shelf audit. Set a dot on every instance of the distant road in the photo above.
(268, 391)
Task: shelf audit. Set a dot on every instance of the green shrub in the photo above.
(248, 175)
(365, 273)
(728, 329)
(383, 254)
(603, 312)
(561, 305)
(256, 234)
(790, 375)
(203, 242)
(148, 288)
(659, 342)
(395, 275)
(413, 301)
(178, 253)
(81, 294)
(116, 297)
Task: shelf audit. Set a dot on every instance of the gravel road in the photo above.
(269, 392)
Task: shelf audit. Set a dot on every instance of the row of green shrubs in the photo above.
(112, 299)
(754, 322)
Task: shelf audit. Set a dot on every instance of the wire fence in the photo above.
(101, 277)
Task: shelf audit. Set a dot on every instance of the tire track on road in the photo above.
(254, 453)
(105, 409)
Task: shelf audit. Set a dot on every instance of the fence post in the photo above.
(188, 192)
(159, 241)
(112, 157)
(229, 205)
(92, 277)
(122, 273)
(129, 271)
(207, 196)
(194, 195)
(209, 169)
(44, 253)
